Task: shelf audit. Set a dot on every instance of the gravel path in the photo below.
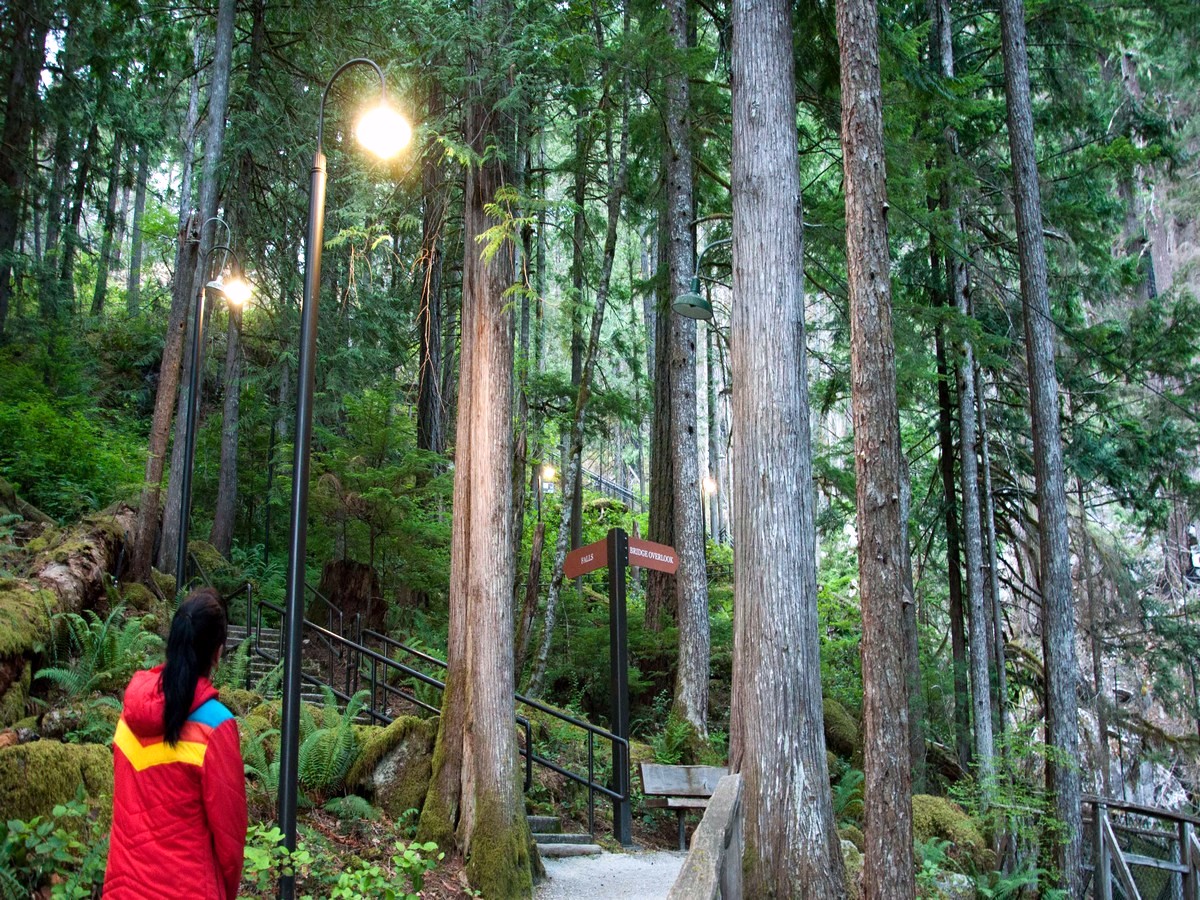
(628, 876)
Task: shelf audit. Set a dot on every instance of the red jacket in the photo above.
(179, 813)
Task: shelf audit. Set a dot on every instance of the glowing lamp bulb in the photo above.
(383, 131)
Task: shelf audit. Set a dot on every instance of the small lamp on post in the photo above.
(384, 132)
(236, 292)
(692, 303)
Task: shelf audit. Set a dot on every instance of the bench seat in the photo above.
(679, 788)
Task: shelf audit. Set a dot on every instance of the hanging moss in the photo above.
(939, 817)
(37, 776)
(395, 764)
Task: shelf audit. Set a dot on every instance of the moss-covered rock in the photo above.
(14, 700)
(853, 859)
(854, 835)
(24, 618)
(139, 597)
(37, 776)
(240, 701)
(395, 764)
(939, 817)
(163, 583)
(218, 571)
(841, 731)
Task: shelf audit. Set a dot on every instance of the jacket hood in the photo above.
(145, 704)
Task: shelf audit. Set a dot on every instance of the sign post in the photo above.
(618, 660)
(618, 551)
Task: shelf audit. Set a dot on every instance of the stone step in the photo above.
(559, 838)
(557, 851)
(544, 824)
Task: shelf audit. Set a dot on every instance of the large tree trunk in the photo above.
(29, 21)
(775, 733)
(110, 226)
(1058, 616)
(192, 247)
(887, 793)
(691, 582)
(218, 104)
(473, 797)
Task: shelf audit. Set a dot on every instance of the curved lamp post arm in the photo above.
(691, 303)
(359, 61)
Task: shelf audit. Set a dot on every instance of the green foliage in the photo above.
(66, 850)
(64, 454)
(848, 795)
(103, 653)
(233, 668)
(412, 862)
(266, 858)
(328, 747)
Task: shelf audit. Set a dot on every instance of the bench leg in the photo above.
(682, 834)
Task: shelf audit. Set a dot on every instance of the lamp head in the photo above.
(236, 290)
(547, 472)
(383, 131)
(692, 304)
(710, 485)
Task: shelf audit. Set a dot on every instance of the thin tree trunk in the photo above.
(617, 176)
(1096, 642)
(110, 227)
(30, 21)
(958, 640)
(532, 589)
(66, 275)
(660, 591)
(225, 513)
(133, 290)
(775, 734)
(1058, 616)
(583, 148)
(122, 223)
(917, 750)
(691, 584)
(989, 513)
(888, 856)
(431, 429)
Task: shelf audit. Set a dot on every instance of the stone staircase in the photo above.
(269, 641)
(552, 843)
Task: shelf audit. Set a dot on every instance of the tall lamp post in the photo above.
(237, 292)
(384, 132)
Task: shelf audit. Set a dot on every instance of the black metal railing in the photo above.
(1139, 852)
(354, 665)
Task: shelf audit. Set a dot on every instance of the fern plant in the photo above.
(328, 749)
(233, 669)
(101, 654)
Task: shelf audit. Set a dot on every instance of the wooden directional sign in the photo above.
(649, 555)
(586, 559)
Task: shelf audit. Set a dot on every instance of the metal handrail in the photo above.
(362, 652)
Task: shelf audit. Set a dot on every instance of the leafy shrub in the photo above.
(67, 849)
(328, 748)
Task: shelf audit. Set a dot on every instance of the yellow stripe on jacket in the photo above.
(159, 753)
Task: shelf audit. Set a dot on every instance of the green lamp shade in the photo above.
(692, 304)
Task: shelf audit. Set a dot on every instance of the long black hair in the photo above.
(197, 630)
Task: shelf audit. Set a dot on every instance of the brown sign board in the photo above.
(649, 555)
(586, 559)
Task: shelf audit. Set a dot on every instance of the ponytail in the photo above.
(197, 630)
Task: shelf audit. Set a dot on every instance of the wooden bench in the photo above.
(679, 788)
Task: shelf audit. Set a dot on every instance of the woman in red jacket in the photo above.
(179, 791)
